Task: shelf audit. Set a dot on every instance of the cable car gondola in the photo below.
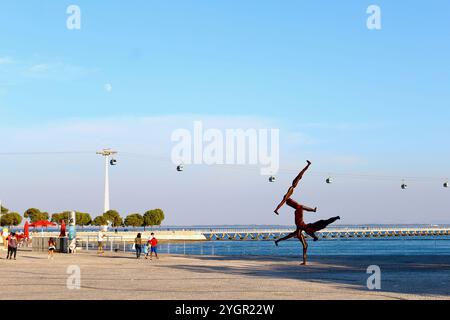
(113, 162)
(272, 179)
(180, 168)
(404, 186)
(329, 180)
(446, 184)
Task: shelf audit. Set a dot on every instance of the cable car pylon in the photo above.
(107, 153)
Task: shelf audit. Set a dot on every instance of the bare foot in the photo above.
(276, 212)
(315, 209)
(276, 243)
(303, 264)
(309, 162)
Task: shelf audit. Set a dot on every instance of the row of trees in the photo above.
(149, 218)
(81, 218)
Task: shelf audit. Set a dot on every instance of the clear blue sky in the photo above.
(362, 100)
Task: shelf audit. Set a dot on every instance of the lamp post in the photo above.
(107, 153)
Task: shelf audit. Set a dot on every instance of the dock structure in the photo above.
(335, 233)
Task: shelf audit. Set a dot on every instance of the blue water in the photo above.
(395, 246)
(439, 245)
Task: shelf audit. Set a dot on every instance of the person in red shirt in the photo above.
(154, 246)
(12, 246)
(309, 228)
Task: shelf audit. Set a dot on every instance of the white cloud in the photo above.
(299, 138)
(6, 60)
(57, 71)
(108, 87)
(39, 68)
(127, 133)
(346, 160)
(343, 126)
(17, 71)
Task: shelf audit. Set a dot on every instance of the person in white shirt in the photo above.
(100, 237)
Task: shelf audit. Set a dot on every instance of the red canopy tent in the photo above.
(42, 223)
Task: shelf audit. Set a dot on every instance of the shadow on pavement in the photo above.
(424, 275)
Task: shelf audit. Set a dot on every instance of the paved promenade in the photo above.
(122, 276)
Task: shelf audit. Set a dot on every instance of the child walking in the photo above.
(51, 248)
(149, 245)
(154, 244)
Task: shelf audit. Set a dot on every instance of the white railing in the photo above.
(334, 230)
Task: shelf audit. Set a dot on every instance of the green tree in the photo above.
(35, 215)
(149, 218)
(82, 219)
(153, 217)
(3, 210)
(114, 217)
(159, 216)
(31, 212)
(134, 220)
(87, 219)
(100, 221)
(11, 219)
(57, 217)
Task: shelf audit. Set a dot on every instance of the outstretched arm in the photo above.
(309, 209)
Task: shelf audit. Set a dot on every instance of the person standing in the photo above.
(100, 237)
(154, 248)
(149, 245)
(5, 235)
(51, 248)
(12, 246)
(138, 245)
(145, 249)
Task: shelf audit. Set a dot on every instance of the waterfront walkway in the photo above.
(122, 276)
